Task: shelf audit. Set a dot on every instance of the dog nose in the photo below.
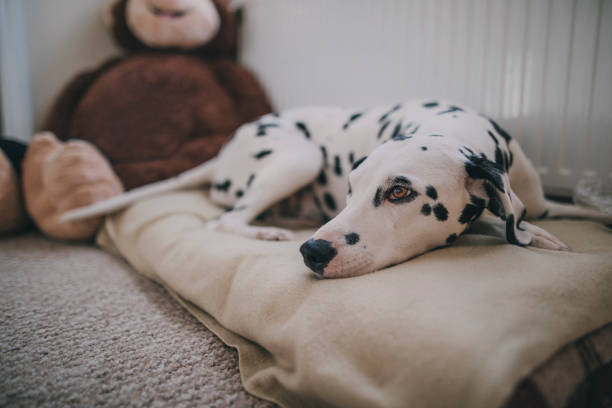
(317, 254)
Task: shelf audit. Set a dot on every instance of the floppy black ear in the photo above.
(489, 183)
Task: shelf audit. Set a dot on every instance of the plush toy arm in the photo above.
(249, 97)
(60, 116)
(58, 177)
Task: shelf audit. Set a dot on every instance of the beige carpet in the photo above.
(79, 328)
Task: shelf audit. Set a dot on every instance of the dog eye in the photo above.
(398, 192)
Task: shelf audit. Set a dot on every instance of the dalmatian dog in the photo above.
(383, 184)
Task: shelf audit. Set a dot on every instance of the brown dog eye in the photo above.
(398, 192)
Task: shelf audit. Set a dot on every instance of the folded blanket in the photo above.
(458, 326)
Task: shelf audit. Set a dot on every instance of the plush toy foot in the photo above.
(61, 176)
(12, 212)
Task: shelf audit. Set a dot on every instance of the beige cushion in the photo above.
(459, 324)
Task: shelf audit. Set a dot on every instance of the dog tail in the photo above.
(198, 176)
(561, 210)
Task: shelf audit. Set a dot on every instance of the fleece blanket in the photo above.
(458, 326)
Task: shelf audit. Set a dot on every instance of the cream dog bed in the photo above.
(458, 326)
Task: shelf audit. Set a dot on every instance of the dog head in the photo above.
(408, 198)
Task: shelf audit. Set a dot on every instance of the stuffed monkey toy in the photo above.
(166, 106)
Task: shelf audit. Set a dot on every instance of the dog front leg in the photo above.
(288, 170)
(540, 238)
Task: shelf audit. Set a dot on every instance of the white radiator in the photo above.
(542, 67)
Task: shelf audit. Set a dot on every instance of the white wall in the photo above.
(15, 98)
(65, 37)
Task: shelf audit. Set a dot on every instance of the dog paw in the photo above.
(544, 239)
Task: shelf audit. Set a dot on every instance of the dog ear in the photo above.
(489, 185)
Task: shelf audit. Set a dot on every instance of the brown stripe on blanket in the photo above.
(578, 375)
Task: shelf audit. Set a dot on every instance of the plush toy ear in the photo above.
(107, 12)
(489, 186)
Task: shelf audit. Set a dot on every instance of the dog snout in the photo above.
(317, 254)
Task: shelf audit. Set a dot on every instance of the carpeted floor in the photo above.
(79, 328)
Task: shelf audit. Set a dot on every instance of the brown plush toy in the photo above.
(165, 107)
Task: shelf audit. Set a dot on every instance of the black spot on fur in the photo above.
(511, 233)
(303, 128)
(430, 105)
(337, 166)
(224, 186)
(431, 192)
(451, 238)
(386, 115)
(436, 135)
(250, 180)
(329, 201)
(358, 162)
(350, 191)
(479, 167)
(402, 179)
(500, 131)
(521, 218)
(351, 119)
(396, 130)
(352, 238)
(543, 215)
(426, 209)
(500, 158)
(351, 158)
(239, 193)
(322, 178)
(415, 129)
(423, 148)
(262, 154)
(477, 201)
(469, 150)
(324, 152)
(378, 197)
(451, 109)
(440, 212)
(493, 137)
(470, 213)
(495, 204)
(262, 127)
(401, 136)
(382, 129)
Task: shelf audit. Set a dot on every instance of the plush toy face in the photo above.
(173, 23)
